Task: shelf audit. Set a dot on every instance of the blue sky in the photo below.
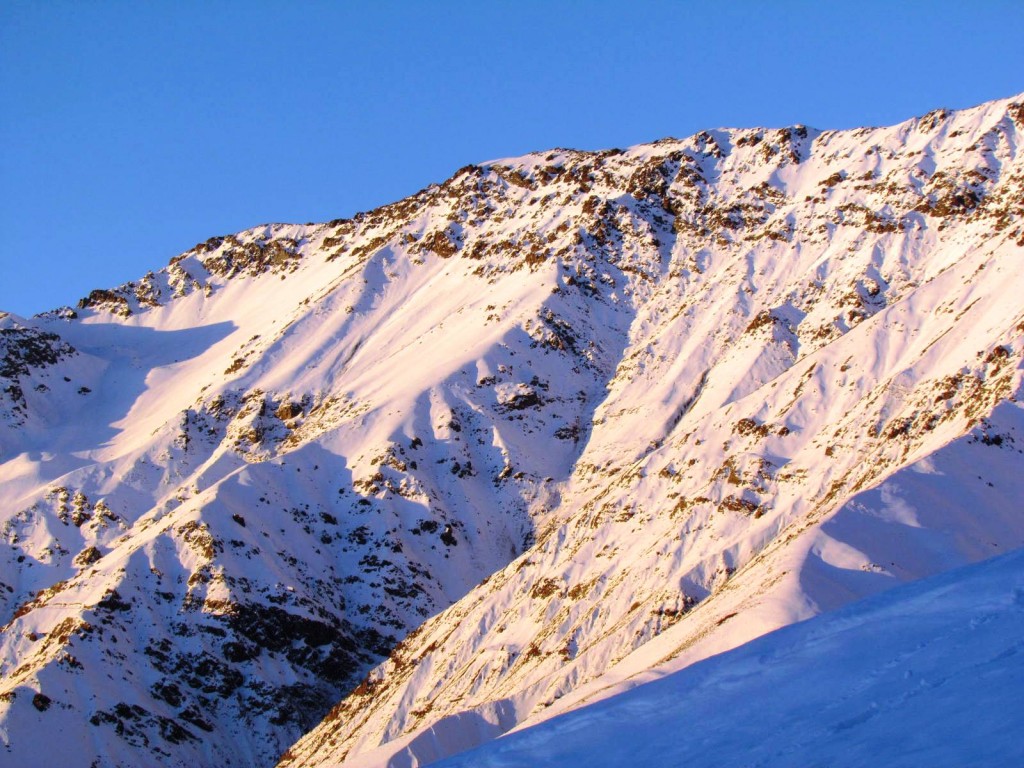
(131, 131)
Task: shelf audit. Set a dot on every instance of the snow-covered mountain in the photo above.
(592, 416)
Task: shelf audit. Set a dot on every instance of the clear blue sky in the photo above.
(129, 131)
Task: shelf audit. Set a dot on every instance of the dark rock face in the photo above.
(22, 349)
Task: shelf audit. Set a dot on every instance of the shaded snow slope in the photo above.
(590, 411)
(926, 674)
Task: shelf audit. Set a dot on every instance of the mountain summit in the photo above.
(526, 437)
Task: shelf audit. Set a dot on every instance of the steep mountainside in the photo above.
(616, 409)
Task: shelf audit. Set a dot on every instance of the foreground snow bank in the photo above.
(927, 674)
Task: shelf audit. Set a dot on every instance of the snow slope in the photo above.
(587, 414)
(925, 674)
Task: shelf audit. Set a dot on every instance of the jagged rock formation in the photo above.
(615, 409)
